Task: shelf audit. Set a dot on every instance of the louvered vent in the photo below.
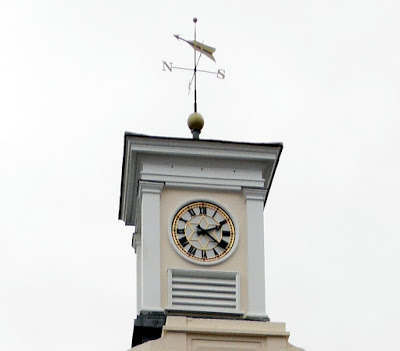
(204, 291)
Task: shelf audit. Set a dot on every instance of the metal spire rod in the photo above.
(195, 68)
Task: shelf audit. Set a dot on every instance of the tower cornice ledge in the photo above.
(225, 327)
(207, 164)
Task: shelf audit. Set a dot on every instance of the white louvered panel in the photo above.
(204, 291)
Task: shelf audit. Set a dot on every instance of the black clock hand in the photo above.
(208, 229)
(205, 232)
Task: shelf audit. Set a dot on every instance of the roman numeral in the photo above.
(223, 244)
(180, 231)
(226, 233)
(222, 222)
(183, 241)
(192, 250)
(204, 255)
(183, 220)
(214, 213)
(215, 252)
(203, 210)
(191, 211)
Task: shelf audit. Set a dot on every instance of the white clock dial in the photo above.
(203, 232)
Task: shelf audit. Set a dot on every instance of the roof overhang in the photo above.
(190, 163)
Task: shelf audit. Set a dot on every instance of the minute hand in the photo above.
(208, 229)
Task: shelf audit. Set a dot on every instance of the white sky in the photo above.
(323, 77)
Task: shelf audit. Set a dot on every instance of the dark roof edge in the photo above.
(128, 134)
(122, 177)
(273, 174)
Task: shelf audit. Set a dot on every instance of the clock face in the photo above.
(203, 232)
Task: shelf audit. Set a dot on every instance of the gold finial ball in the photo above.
(195, 121)
(195, 20)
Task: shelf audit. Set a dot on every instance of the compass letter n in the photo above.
(169, 66)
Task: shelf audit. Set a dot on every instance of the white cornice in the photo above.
(255, 193)
(150, 187)
(183, 147)
(188, 163)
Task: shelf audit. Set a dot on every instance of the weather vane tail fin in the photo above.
(202, 48)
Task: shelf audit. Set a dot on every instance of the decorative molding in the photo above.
(190, 147)
(193, 164)
(152, 187)
(232, 328)
(257, 194)
(205, 186)
(202, 172)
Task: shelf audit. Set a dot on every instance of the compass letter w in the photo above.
(166, 65)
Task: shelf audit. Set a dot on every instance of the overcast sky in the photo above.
(323, 77)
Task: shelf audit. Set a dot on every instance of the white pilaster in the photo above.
(137, 245)
(255, 251)
(150, 294)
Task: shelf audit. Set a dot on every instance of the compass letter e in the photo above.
(168, 66)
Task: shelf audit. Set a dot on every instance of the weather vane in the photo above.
(195, 121)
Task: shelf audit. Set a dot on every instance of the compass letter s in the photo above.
(220, 73)
(169, 66)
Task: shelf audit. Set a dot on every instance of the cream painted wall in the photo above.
(171, 200)
(198, 334)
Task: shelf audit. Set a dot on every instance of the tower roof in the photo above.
(240, 164)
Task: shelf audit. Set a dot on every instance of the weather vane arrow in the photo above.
(198, 48)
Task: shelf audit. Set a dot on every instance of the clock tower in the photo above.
(197, 207)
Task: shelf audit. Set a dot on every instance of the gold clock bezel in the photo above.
(214, 214)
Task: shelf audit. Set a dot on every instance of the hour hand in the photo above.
(205, 232)
(209, 235)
